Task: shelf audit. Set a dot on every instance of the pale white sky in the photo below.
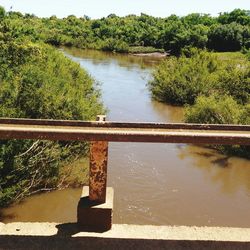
(98, 8)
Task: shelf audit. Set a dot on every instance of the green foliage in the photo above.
(197, 18)
(115, 46)
(218, 88)
(219, 109)
(247, 53)
(245, 116)
(237, 15)
(36, 81)
(228, 37)
(228, 32)
(181, 80)
(2, 12)
(234, 80)
(214, 109)
(39, 82)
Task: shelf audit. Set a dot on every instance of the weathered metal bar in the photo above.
(97, 124)
(98, 169)
(117, 134)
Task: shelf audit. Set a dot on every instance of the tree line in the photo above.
(230, 31)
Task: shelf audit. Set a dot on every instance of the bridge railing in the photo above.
(100, 132)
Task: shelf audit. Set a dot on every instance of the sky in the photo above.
(98, 8)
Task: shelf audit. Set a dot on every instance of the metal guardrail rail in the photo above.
(101, 132)
(124, 132)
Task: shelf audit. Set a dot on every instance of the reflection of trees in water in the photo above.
(123, 60)
(60, 207)
(168, 113)
(231, 173)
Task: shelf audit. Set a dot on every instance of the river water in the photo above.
(159, 184)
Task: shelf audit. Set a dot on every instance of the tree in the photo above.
(181, 80)
(239, 16)
(2, 12)
(27, 72)
(227, 37)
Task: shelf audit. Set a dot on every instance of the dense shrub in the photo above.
(234, 80)
(115, 46)
(180, 80)
(228, 37)
(214, 109)
(245, 117)
(217, 109)
(36, 81)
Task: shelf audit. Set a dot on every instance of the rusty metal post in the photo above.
(98, 168)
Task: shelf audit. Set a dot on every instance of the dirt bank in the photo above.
(153, 54)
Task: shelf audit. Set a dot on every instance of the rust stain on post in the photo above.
(98, 168)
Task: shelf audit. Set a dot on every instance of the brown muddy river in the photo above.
(159, 184)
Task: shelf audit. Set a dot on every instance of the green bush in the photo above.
(245, 116)
(214, 109)
(114, 45)
(2, 13)
(39, 82)
(217, 109)
(180, 80)
(228, 37)
(234, 80)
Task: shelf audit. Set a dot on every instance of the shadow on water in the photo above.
(232, 173)
(56, 206)
(123, 60)
(222, 162)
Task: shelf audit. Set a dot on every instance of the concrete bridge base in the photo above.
(95, 216)
(68, 236)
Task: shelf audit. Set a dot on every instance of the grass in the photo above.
(75, 174)
(228, 56)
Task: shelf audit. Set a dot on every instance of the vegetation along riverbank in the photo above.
(136, 34)
(213, 89)
(37, 81)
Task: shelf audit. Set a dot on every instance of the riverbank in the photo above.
(153, 54)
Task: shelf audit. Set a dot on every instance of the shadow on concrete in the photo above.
(65, 239)
(69, 229)
(55, 242)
